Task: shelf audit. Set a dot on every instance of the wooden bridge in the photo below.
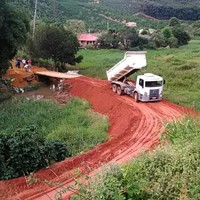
(57, 75)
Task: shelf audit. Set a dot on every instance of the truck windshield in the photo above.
(153, 83)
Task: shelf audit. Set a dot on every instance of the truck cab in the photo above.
(148, 87)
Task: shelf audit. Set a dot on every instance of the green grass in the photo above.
(96, 62)
(73, 124)
(179, 67)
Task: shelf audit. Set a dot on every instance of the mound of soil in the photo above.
(134, 128)
(21, 77)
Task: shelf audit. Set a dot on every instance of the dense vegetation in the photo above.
(96, 16)
(14, 26)
(163, 12)
(170, 172)
(36, 133)
(26, 150)
(160, 9)
(173, 35)
(56, 43)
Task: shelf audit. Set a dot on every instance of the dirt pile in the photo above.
(21, 78)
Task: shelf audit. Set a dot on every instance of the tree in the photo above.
(159, 39)
(75, 26)
(109, 40)
(168, 38)
(173, 42)
(167, 32)
(14, 26)
(196, 28)
(178, 32)
(174, 22)
(129, 38)
(181, 35)
(53, 42)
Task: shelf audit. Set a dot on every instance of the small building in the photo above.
(131, 24)
(95, 1)
(87, 39)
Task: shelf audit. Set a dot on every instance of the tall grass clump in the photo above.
(170, 172)
(82, 129)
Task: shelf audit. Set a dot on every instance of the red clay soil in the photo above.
(20, 75)
(134, 128)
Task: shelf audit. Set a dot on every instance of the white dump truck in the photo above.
(147, 87)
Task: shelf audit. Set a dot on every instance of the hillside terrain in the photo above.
(93, 12)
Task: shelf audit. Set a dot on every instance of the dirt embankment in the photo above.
(22, 78)
(134, 128)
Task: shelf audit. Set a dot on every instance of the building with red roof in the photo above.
(86, 39)
(131, 24)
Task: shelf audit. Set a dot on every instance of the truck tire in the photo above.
(114, 88)
(136, 97)
(119, 90)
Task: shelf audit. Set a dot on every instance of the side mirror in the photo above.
(164, 81)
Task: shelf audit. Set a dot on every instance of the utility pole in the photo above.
(108, 26)
(54, 5)
(34, 18)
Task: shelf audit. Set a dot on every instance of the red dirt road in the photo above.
(134, 128)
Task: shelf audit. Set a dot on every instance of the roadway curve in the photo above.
(134, 128)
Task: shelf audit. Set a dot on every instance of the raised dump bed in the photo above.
(132, 62)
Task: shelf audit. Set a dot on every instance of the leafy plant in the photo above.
(25, 151)
(56, 43)
(13, 32)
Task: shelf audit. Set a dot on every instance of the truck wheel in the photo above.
(114, 87)
(119, 90)
(136, 97)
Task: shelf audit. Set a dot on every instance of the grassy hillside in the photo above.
(180, 68)
(98, 15)
(161, 9)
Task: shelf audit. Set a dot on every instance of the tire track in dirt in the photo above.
(134, 128)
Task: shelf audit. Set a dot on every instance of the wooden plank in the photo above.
(57, 74)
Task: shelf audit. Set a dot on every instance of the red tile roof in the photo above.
(131, 24)
(87, 37)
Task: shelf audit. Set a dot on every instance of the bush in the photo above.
(25, 151)
(173, 42)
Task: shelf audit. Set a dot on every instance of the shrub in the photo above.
(173, 42)
(25, 151)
